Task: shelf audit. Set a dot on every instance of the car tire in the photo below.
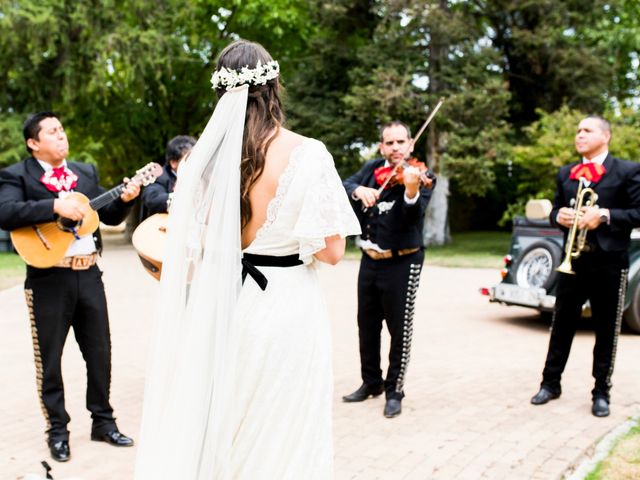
(632, 313)
(537, 265)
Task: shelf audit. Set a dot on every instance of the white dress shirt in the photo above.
(86, 245)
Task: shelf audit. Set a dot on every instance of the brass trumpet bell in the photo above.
(577, 237)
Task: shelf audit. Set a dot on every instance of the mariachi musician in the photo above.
(71, 293)
(392, 221)
(600, 271)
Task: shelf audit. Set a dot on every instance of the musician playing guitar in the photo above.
(71, 293)
(391, 214)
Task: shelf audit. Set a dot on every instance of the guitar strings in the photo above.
(142, 177)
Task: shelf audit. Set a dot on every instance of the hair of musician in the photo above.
(605, 125)
(178, 146)
(31, 127)
(394, 123)
(263, 119)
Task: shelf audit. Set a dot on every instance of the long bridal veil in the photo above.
(186, 422)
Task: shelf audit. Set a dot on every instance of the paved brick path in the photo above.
(474, 366)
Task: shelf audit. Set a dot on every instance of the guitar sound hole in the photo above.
(67, 224)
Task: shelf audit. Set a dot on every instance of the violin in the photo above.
(392, 175)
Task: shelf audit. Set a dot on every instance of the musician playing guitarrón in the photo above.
(392, 222)
(71, 293)
(156, 198)
(602, 267)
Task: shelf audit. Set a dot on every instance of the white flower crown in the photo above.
(260, 75)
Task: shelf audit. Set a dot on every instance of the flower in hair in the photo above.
(260, 75)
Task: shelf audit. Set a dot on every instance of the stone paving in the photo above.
(474, 366)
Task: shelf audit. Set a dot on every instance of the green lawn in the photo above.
(467, 249)
(623, 460)
(471, 249)
(11, 270)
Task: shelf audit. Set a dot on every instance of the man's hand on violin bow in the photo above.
(368, 196)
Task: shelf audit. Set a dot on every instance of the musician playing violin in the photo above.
(390, 196)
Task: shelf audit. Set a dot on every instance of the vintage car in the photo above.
(529, 275)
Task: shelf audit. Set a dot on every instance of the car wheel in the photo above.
(537, 265)
(632, 313)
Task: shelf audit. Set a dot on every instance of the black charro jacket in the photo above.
(155, 195)
(392, 223)
(618, 190)
(24, 200)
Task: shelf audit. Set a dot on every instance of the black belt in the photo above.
(250, 261)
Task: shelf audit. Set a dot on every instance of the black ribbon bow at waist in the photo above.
(250, 261)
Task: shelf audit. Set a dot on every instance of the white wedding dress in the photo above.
(283, 388)
(239, 384)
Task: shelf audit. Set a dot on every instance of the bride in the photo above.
(239, 384)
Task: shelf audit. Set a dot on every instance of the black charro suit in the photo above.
(61, 298)
(601, 273)
(618, 190)
(387, 287)
(24, 200)
(156, 195)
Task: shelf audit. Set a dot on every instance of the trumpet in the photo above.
(577, 237)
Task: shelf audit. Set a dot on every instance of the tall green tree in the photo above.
(549, 145)
(546, 59)
(421, 51)
(322, 77)
(127, 75)
(617, 33)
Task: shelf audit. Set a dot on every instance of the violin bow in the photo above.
(428, 120)
(413, 141)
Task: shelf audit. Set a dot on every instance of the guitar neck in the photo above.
(107, 197)
(144, 176)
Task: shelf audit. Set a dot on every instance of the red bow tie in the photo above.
(59, 179)
(591, 172)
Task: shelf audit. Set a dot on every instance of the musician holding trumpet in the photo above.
(597, 204)
(390, 197)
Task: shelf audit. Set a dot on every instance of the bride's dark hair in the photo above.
(263, 119)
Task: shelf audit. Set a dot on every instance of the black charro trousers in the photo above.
(60, 299)
(386, 292)
(601, 277)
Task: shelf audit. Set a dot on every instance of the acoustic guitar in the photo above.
(45, 244)
(149, 239)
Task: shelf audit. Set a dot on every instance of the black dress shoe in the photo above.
(600, 407)
(114, 437)
(60, 451)
(543, 396)
(392, 408)
(365, 391)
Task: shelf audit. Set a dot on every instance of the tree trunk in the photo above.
(436, 230)
(436, 225)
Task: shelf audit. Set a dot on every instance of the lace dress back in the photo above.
(310, 204)
(284, 385)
